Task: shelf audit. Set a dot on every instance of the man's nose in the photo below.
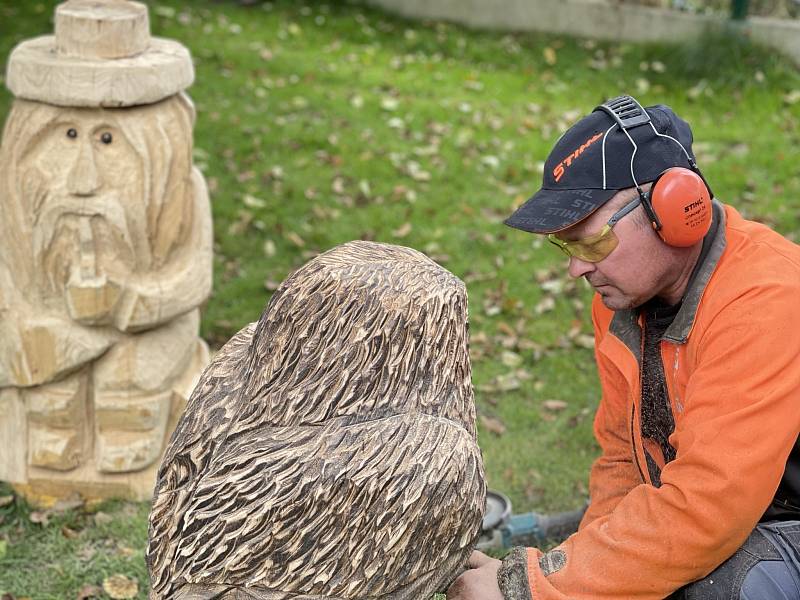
(579, 268)
(83, 179)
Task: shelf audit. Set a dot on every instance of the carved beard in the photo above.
(80, 237)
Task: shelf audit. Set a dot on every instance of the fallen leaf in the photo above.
(89, 591)
(253, 202)
(510, 359)
(549, 56)
(295, 239)
(554, 286)
(493, 424)
(269, 247)
(792, 97)
(508, 382)
(40, 517)
(86, 553)
(6, 500)
(242, 223)
(337, 185)
(554, 405)
(491, 161)
(416, 172)
(101, 518)
(506, 329)
(388, 103)
(69, 533)
(546, 304)
(403, 230)
(491, 309)
(271, 285)
(120, 587)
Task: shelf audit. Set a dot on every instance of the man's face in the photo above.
(636, 270)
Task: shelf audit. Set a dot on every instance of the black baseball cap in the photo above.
(592, 161)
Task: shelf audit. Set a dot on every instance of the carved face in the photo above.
(82, 185)
(91, 193)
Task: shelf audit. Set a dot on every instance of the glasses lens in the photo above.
(593, 248)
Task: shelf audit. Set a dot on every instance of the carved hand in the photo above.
(90, 301)
(479, 582)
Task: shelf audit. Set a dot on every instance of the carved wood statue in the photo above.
(105, 254)
(329, 450)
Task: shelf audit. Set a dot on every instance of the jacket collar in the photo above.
(625, 323)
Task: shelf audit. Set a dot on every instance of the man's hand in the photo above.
(479, 582)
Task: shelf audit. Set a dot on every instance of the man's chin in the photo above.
(614, 301)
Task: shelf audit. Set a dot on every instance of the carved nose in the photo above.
(83, 179)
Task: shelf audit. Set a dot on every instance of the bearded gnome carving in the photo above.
(105, 254)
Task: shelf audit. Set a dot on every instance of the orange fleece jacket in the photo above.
(732, 365)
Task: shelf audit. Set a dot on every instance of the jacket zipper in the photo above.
(633, 405)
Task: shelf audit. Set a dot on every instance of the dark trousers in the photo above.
(766, 567)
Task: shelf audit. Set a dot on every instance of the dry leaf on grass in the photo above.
(493, 424)
(546, 304)
(402, 231)
(554, 405)
(89, 591)
(102, 518)
(510, 359)
(295, 239)
(120, 587)
(39, 516)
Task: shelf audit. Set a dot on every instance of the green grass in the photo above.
(348, 123)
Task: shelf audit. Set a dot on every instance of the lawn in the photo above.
(322, 123)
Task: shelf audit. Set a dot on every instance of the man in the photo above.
(697, 339)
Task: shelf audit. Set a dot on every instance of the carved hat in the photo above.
(102, 54)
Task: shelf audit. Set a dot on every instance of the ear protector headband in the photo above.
(679, 201)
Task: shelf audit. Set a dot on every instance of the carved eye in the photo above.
(106, 138)
(72, 133)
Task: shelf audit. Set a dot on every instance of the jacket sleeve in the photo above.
(738, 424)
(613, 474)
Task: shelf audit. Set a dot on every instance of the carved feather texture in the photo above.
(329, 451)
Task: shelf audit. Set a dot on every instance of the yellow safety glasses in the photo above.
(595, 247)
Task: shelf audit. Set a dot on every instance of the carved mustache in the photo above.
(46, 220)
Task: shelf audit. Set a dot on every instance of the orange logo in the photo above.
(558, 172)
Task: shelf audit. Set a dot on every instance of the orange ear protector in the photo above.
(679, 206)
(679, 201)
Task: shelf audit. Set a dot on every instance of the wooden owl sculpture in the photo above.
(329, 450)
